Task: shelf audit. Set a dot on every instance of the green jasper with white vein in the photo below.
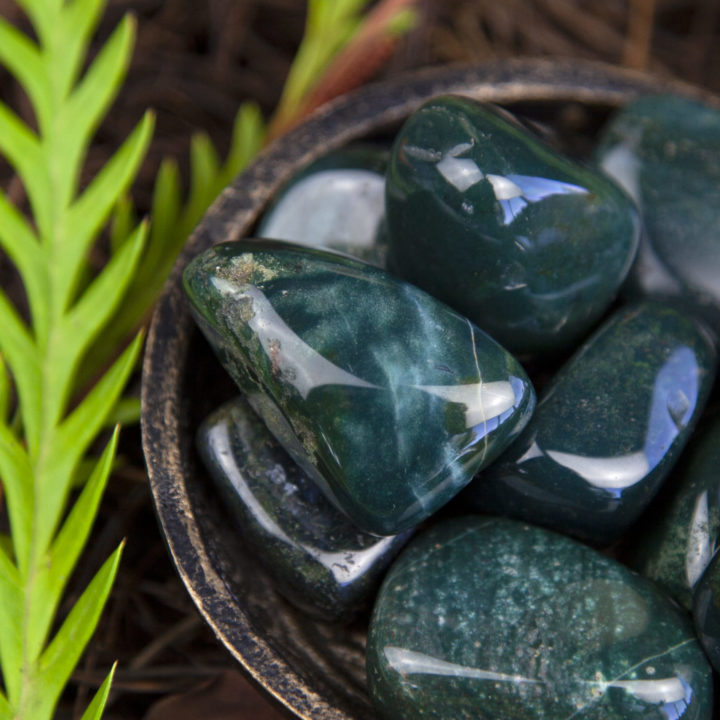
(681, 532)
(608, 428)
(706, 611)
(388, 398)
(665, 151)
(486, 217)
(318, 559)
(491, 619)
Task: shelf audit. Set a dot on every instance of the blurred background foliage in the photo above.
(194, 63)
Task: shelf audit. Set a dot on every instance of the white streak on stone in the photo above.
(610, 473)
(504, 188)
(699, 548)
(621, 164)
(461, 173)
(534, 451)
(409, 662)
(297, 363)
(662, 690)
(482, 401)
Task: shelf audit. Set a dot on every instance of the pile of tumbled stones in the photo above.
(376, 391)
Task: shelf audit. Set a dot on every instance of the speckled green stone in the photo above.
(665, 151)
(484, 216)
(318, 559)
(337, 202)
(490, 619)
(608, 428)
(390, 400)
(681, 532)
(706, 611)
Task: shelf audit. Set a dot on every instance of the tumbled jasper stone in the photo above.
(484, 216)
(681, 532)
(665, 151)
(388, 398)
(607, 429)
(706, 611)
(318, 559)
(490, 619)
(337, 202)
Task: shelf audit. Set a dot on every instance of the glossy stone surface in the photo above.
(665, 151)
(706, 611)
(389, 399)
(484, 216)
(608, 428)
(337, 202)
(490, 619)
(319, 560)
(681, 531)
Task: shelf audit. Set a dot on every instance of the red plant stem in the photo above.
(371, 47)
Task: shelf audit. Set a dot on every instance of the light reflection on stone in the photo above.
(300, 365)
(317, 557)
(673, 403)
(482, 401)
(622, 164)
(516, 192)
(700, 546)
(608, 429)
(655, 691)
(352, 218)
(608, 473)
(461, 173)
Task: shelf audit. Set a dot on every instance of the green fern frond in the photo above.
(42, 455)
(172, 222)
(5, 392)
(63, 370)
(95, 709)
(328, 26)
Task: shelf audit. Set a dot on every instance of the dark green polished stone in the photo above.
(665, 151)
(681, 532)
(388, 398)
(490, 619)
(706, 611)
(319, 560)
(484, 216)
(337, 202)
(608, 428)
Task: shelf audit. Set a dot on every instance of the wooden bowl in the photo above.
(311, 669)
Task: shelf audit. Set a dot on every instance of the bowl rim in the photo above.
(348, 118)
